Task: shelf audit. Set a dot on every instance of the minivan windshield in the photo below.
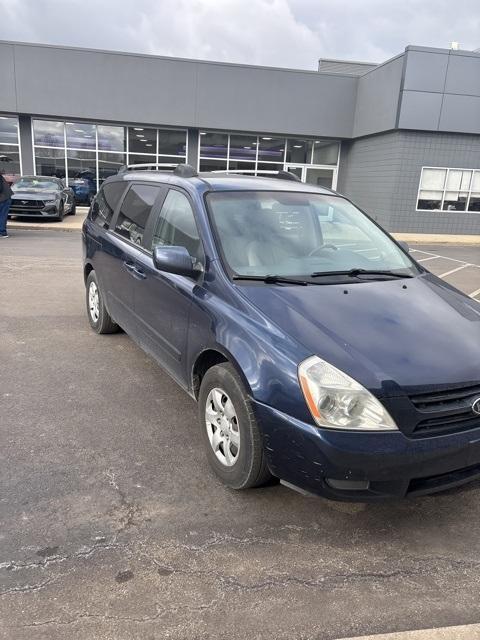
(36, 183)
(297, 234)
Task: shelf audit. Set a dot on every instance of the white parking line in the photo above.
(429, 258)
(435, 255)
(447, 273)
(463, 265)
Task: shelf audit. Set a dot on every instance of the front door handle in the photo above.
(137, 272)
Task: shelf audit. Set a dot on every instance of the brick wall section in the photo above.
(381, 174)
(368, 172)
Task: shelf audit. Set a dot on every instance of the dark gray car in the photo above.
(42, 196)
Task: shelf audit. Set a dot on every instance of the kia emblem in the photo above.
(476, 406)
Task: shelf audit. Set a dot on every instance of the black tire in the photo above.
(103, 323)
(61, 212)
(73, 210)
(250, 469)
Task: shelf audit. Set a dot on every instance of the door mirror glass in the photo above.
(175, 260)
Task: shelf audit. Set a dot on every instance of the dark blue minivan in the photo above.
(318, 350)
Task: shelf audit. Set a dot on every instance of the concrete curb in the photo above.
(69, 223)
(463, 632)
(75, 224)
(437, 238)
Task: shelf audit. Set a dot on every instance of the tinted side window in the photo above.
(176, 225)
(105, 203)
(135, 210)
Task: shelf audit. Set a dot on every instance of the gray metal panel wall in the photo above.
(276, 100)
(377, 98)
(94, 85)
(381, 174)
(8, 98)
(75, 83)
(441, 91)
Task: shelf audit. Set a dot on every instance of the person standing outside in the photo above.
(5, 201)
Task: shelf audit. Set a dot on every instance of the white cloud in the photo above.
(291, 33)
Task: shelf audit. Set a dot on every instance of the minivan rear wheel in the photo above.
(98, 316)
(232, 438)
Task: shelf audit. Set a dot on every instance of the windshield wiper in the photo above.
(270, 279)
(353, 273)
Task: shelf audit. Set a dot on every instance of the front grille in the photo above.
(443, 481)
(27, 205)
(445, 411)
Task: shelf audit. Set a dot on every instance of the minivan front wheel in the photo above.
(231, 434)
(98, 316)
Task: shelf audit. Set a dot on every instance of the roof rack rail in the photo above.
(282, 175)
(185, 171)
(286, 175)
(181, 170)
(149, 166)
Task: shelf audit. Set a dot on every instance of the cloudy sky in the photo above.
(289, 33)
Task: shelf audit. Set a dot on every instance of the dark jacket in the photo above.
(5, 191)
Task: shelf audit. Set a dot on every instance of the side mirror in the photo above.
(404, 245)
(175, 260)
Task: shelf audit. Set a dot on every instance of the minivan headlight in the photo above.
(337, 401)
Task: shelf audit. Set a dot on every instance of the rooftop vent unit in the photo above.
(345, 67)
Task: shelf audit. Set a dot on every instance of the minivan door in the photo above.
(122, 246)
(163, 300)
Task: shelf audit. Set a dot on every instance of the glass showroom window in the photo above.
(10, 164)
(260, 154)
(94, 152)
(443, 189)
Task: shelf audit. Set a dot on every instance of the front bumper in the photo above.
(393, 465)
(48, 211)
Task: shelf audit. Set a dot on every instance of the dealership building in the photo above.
(401, 138)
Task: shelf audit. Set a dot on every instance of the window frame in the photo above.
(97, 150)
(114, 213)
(154, 219)
(17, 144)
(162, 190)
(309, 164)
(445, 190)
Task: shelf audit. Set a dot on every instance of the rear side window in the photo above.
(176, 225)
(135, 210)
(105, 203)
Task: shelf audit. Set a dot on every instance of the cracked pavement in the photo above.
(113, 527)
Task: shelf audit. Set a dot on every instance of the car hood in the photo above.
(34, 194)
(414, 332)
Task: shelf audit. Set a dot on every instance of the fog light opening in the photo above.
(348, 485)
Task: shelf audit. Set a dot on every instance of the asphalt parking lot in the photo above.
(113, 527)
(460, 266)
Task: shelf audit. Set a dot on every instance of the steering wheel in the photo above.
(324, 246)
